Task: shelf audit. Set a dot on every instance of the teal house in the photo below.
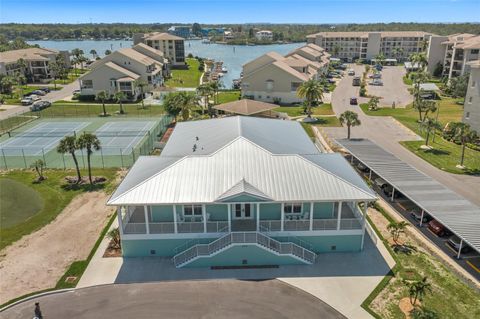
(241, 191)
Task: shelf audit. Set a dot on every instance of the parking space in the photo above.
(392, 89)
(469, 259)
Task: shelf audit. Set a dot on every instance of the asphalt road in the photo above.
(393, 88)
(186, 299)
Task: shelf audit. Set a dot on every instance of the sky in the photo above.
(238, 11)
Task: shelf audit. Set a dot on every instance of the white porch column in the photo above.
(258, 216)
(370, 175)
(339, 217)
(421, 218)
(147, 224)
(365, 208)
(175, 219)
(229, 217)
(120, 222)
(282, 217)
(204, 217)
(311, 215)
(460, 249)
(393, 193)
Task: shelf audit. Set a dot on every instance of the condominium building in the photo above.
(180, 31)
(172, 46)
(121, 70)
(258, 194)
(276, 78)
(37, 62)
(264, 35)
(350, 46)
(471, 107)
(453, 53)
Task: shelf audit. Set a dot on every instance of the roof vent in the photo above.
(194, 148)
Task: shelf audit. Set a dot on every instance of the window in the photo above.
(470, 99)
(473, 84)
(87, 84)
(295, 86)
(269, 84)
(474, 51)
(295, 208)
(192, 210)
(467, 115)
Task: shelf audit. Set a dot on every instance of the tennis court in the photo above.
(122, 137)
(41, 138)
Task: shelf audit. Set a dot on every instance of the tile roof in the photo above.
(26, 54)
(162, 36)
(245, 107)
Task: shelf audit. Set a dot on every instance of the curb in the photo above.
(42, 294)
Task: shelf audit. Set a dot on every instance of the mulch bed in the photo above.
(112, 251)
(96, 180)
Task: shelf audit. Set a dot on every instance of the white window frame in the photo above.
(289, 209)
(192, 214)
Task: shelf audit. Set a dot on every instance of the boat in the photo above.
(224, 69)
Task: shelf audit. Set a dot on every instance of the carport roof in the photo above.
(452, 210)
(429, 87)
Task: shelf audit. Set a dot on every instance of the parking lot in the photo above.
(470, 261)
(393, 88)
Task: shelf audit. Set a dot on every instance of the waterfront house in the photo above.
(276, 78)
(121, 70)
(241, 191)
(264, 35)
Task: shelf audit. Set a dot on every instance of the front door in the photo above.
(242, 211)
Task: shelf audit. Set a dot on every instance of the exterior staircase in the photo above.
(244, 238)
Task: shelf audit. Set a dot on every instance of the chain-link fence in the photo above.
(143, 142)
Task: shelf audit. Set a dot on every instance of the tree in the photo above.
(197, 29)
(7, 82)
(215, 86)
(397, 52)
(457, 86)
(38, 165)
(23, 66)
(465, 135)
(417, 289)
(119, 98)
(420, 59)
(171, 105)
(336, 50)
(380, 59)
(141, 84)
(350, 119)
(186, 101)
(68, 144)
(373, 103)
(93, 52)
(396, 229)
(251, 33)
(108, 52)
(102, 96)
(78, 58)
(91, 143)
(205, 91)
(56, 70)
(114, 236)
(429, 124)
(20, 80)
(312, 92)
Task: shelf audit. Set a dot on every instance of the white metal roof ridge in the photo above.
(242, 187)
(245, 162)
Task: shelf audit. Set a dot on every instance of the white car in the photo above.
(29, 99)
(377, 82)
(351, 72)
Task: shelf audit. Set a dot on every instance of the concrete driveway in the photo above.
(393, 88)
(186, 299)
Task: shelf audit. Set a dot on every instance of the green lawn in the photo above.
(450, 297)
(325, 121)
(46, 200)
(444, 155)
(186, 78)
(19, 91)
(228, 96)
(294, 111)
(76, 109)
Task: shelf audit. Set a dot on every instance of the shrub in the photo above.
(86, 98)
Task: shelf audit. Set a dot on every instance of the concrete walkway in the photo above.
(387, 133)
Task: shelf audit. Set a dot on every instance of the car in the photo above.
(351, 72)
(29, 99)
(427, 96)
(454, 242)
(45, 89)
(356, 81)
(353, 101)
(341, 67)
(331, 81)
(380, 182)
(375, 76)
(438, 229)
(388, 190)
(363, 167)
(38, 92)
(417, 215)
(40, 105)
(76, 92)
(376, 82)
(378, 67)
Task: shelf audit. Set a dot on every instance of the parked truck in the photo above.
(356, 81)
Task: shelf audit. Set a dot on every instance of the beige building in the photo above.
(454, 53)
(172, 46)
(37, 60)
(276, 78)
(471, 108)
(264, 35)
(350, 46)
(121, 70)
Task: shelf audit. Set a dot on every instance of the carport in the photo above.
(456, 213)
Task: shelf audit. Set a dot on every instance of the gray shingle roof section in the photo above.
(207, 136)
(452, 210)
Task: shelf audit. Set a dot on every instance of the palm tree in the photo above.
(114, 236)
(55, 71)
(82, 59)
(396, 229)
(93, 52)
(186, 102)
(77, 53)
(336, 50)
(373, 103)
(205, 91)
(108, 52)
(20, 79)
(38, 165)
(424, 107)
(171, 105)
(7, 84)
(380, 59)
(141, 84)
(215, 86)
(91, 143)
(102, 96)
(420, 59)
(312, 92)
(465, 135)
(119, 97)
(428, 124)
(23, 66)
(68, 144)
(349, 118)
(397, 52)
(417, 289)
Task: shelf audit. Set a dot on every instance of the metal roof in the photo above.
(205, 178)
(207, 136)
(429, 87)
(452, 210)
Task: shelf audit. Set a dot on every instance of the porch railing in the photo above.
(161, 228)
(135, 228)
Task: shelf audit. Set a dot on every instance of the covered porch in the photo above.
(241, 217)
